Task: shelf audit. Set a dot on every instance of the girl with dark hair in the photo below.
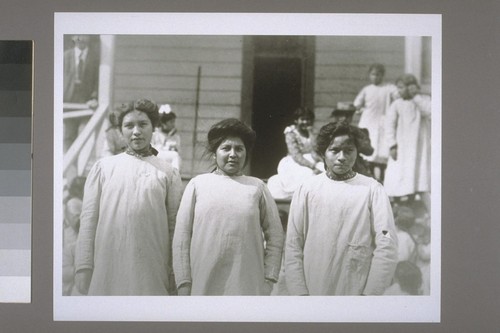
(128, 215)
(344, 112)
(341, 238)
(372, 102)
(228, 239)
(301, 162)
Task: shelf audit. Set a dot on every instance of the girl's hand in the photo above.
(394, 153)
(82, 280)
(268, 287)
(184, 289)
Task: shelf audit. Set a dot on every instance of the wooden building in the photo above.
(258, 79)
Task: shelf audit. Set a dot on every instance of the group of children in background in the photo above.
(72, 209)
(398, 119)
(412, 276)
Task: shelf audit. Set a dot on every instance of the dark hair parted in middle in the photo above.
(303, 112)
(227, 128)
(331, 130)
(150, 108)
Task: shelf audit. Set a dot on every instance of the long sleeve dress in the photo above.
(341, 238)
(409, 127)
(374, 100)
(228, 239)
(127, 224)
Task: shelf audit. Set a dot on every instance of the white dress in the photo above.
(409, 127)
(341, 238)
(168, 146)
(228, 237)
(374, 100)
(296, 167)
(126, 225)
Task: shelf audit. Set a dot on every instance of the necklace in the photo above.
(333, 176)
(219, 172)
(145, 153)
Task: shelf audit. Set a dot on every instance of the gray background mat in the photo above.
(470, 227)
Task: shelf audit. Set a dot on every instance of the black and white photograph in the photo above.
(215, 167)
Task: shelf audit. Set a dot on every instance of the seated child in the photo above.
(301, 161)
(72, 211)
(404, 219)
(407, 280)
(165, 138)
(421, 233)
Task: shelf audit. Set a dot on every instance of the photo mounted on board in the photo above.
(193, 164)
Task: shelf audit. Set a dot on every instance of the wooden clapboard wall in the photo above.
(165, 69)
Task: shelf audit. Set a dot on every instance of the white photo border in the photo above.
(251, 308)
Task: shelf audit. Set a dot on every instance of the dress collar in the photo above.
(149, 152)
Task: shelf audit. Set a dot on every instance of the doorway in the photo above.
(282, 81)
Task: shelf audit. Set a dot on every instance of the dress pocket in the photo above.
(357, 265)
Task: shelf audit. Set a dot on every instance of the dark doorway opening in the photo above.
(282, 71)
(276, 94)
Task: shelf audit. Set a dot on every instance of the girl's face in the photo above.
(341, 155)
(376, 76)
(231, 155)
(168, 126)
(137, 130)
(413, 90)
(407, 91)
(303, 123)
